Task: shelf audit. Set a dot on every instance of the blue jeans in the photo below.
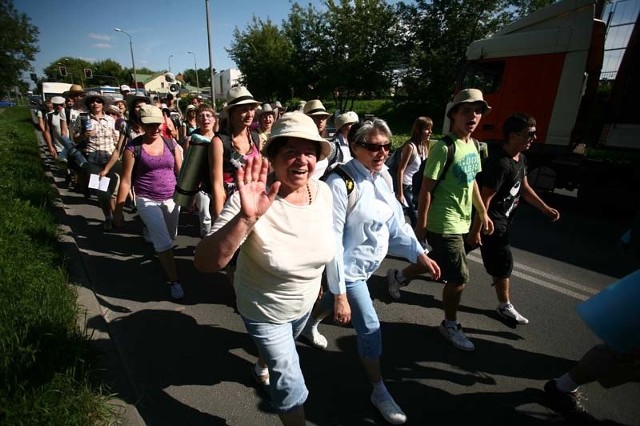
(363, 317)
(277, 347)
(412, 209)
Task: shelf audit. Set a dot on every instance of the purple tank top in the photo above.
(155, 178)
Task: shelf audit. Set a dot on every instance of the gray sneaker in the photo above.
(393, 284)
(177, 292)
(456, 336)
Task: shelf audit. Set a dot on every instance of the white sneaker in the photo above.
(393, 284)
(456, 336)
(314, 337)
(390, 411)
(510, 313)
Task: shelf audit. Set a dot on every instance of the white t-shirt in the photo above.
(280, 265)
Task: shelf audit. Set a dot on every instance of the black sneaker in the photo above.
(567, 404)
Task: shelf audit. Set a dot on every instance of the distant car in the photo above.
(6, 103)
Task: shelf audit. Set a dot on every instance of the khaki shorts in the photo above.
(449, 253)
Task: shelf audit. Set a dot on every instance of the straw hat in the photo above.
(469, 96)
(239, 95)
(346, 118)
(298, 125)
(315, 108)
(75, 89)
(150, 114)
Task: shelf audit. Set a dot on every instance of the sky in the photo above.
(158, 28)
(161, 28)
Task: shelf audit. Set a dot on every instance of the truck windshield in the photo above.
(486, 76)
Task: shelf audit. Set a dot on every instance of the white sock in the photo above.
(504, 305)
(312, 323)
(380, 391)
(565, 384)
(260, 371)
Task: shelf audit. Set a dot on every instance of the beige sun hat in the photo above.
(267, 109)
(469, 96)
(150, 114)
(114, 109)
(346, 118)
(297, 125)
(315, 108)
(239, 95)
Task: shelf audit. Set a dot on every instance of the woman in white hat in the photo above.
(232, 145)
(266, 119)
(278, 276)
(189, 124)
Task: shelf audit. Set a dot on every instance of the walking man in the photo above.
(504, 182)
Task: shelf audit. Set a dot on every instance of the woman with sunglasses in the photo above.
(364, 232)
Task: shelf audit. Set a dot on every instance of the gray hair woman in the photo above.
(366, 226)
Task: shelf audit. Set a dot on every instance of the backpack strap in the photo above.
(351, 187)
(451, 152)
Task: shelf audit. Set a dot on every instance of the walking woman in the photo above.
(154, 179)
(365, 226)
(414, 152)
(281, 257)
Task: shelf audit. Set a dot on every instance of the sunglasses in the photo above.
(374, 147)
(528, 134)
(93, 101)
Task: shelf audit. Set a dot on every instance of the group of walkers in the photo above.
(270, 174)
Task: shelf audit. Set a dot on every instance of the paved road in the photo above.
(188, 363)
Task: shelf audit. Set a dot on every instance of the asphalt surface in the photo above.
(189, 363)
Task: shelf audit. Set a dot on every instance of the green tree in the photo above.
(18, 45)
(304, 28)
(358, 49)
(203, 77)
(74, 67)
(107, 72)
(263, 55)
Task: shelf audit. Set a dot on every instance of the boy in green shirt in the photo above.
(445, 209)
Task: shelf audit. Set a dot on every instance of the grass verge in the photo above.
(46, 364)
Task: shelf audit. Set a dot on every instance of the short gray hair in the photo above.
(377, 125)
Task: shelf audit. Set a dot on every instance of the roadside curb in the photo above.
(91, 320)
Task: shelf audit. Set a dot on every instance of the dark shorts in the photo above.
(449, 253)
(496, 255)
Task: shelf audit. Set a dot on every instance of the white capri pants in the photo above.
(161, 220)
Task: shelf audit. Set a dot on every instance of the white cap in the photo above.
(125, 88)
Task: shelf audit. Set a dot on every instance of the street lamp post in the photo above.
(133, 62)
(170, 56)
(195, 65)
(211, 70)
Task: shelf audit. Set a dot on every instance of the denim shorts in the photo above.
(449, 253)
(363, 317)
(277, 347)
(161, 220)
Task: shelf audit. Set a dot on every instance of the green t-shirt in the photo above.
(450, 210)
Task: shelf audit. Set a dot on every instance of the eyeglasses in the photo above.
(374, 147)
(528, 134)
